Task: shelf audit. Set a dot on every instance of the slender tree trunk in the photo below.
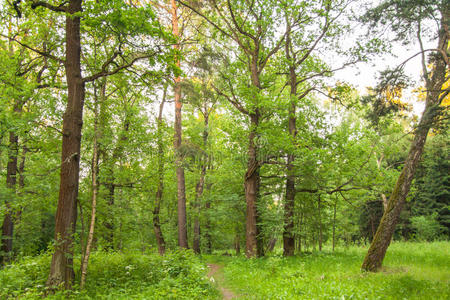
(288, 234)
(334, 224)
(85, 261)
(8, 224)
(198, 195)
(300, 227)
(208, 226)
(158, 199)
(61, 269)
(237, 240)
(201, 182)
(320, 237)
(377, 250)
(21, 171)
(181, 188)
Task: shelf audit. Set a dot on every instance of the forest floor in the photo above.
(215, 272)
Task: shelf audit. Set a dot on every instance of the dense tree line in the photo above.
(215, 125)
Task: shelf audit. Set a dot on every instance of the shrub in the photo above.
(427, 228)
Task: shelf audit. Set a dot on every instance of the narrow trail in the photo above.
(216, 274)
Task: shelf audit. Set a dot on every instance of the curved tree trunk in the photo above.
(374, 258)
(61, 269)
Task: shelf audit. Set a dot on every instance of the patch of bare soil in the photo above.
(217, 276)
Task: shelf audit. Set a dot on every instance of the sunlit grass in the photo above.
(411, 271)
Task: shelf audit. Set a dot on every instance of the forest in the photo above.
(224, 149)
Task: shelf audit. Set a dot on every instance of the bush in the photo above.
(427, 228)
(177, 275)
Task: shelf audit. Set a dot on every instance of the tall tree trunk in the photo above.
(156, 221)
(252, 185)
(8, 224)
(61, 269)
(201, 182)
(288, 234)
(181, 189)
(87, 252)
(254, 245)
(377, 250)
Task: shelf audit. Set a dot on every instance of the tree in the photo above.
(255, 46)
(61, 271)
(410, 15)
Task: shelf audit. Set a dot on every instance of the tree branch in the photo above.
(104, 72)
(59, 8)
(46, 54)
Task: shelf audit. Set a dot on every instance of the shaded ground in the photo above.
(215, 273)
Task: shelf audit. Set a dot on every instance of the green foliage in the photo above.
(427, 228)
(130, 275)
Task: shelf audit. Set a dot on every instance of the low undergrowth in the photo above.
(177, 275)
(412, 271)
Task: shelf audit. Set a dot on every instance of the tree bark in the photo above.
(181, 188)
(158, 199)
(61, 269)
(8, 224)
(377, 250)
(252, 185)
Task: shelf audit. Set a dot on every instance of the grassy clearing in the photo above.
(412, 271)
(178, 275)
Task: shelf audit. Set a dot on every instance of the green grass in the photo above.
(411, 271)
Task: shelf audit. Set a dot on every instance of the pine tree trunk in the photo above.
(158, 199)
(181, 188)
(61, 269)
(377, 250)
